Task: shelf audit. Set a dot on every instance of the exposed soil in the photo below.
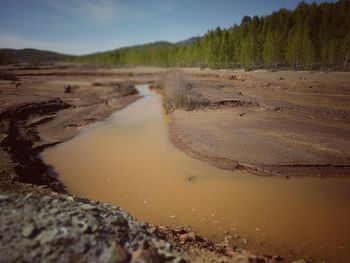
(39, 111)
(272, 123)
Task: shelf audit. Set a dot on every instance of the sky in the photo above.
(87, 26)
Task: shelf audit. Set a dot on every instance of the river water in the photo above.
(128, 160)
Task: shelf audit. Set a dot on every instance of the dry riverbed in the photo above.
(271, 123)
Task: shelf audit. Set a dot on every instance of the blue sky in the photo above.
(85, 26)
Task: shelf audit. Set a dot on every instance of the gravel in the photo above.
(37, 225)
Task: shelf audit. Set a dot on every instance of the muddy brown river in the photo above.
(129, 161)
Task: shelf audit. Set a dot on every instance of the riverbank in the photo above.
(269, 123)
(42, 107)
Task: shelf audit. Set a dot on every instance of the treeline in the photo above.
(310, 37)
(5, 59)
(29, 55)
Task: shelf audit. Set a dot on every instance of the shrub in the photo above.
(182, 94)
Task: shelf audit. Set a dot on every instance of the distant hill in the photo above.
(188, 41)
(29, 55)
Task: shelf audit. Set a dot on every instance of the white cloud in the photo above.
(18, 42)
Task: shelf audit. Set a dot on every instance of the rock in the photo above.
(87, 207)
(2, 136)
(4, 197)
(242, 114)
(92, 224)
(143, 255)
(70, 198)
(187, 237)
(299, 261)
(28, 230)
(244, 241)
(114, 254)
(47, 235)
(27, 196)
(241, 259)
(120, 252)
(82, 225)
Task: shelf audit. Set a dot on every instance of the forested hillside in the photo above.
(311, 36)
(29, 55)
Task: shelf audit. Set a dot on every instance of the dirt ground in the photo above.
(273, 123)
(43, 106)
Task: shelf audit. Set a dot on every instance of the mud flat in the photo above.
(266, 123)
(44, 106)
(271, 123)
(128, 160)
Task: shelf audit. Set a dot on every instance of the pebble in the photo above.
(27, 196)
(4, 197)
(241, 259)
(47, 235)
(93, 224)
(87, 207)
(82, 225)
(187, 237)
(299, 261)
(28, 230)
(120, 252)
(70, 198)
(113, 254)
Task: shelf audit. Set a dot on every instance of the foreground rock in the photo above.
(38, 225)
